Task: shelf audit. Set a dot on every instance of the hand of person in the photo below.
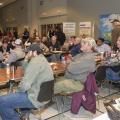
(29, 55)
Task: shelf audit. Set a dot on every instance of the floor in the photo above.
(52, 113)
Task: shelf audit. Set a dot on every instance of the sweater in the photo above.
(81, 66)
(36, 72)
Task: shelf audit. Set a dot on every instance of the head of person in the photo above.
(25, 30)
(38, 40)
(77, 41)
(115, 23)
(5, 43)
(118, 42)
(18, 42)
(83, 36)
(65, 46)
(33, 50)
(88, 44)
(58, 29)
(35, 30)
(44, 39)
(72, 38)
(54, 39)
(100, 41)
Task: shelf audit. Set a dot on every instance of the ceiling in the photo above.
(6, 2)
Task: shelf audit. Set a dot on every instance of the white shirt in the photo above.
(103, 48)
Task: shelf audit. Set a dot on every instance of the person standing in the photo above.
(115, 32)
(25, 35)
(60, 36)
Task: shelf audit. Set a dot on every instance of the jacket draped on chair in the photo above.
(89, 92)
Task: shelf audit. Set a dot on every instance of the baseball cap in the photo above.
(18, 41)
(33, 47)
(115, 20)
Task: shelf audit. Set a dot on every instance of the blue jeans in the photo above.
(9, 102)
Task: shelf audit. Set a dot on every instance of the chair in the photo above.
(90, 88)
(112, 77)
(45, 95)
(63, 96)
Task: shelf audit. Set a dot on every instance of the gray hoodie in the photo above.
(81, 66)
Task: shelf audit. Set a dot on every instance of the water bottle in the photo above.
(7, 69)
(63, 60)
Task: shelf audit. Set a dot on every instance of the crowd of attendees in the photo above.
(80, 50)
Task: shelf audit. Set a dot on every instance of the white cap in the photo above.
(18, 41)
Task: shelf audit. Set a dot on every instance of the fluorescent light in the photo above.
(1, 3)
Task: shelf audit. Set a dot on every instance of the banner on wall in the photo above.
(69, 28)
(86, 28)
(106, 26)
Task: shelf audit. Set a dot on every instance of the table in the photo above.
(58, 67)
(102, 117)
(4, 77)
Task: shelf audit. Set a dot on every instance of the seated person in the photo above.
(54, 45)
(4, 48)
(78, 69)
(42, 45)
(71, 41)
(101, 46)
(18, 49)
(15, 54)
(29, 87)
(76, 47)
(45, 41)
(101, 70)
(28, 42)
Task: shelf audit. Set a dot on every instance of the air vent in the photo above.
(41, 2)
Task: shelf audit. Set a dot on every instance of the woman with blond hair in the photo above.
(78, 69)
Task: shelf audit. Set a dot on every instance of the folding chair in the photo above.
(45, 95)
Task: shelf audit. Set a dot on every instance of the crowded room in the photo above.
(59, 60)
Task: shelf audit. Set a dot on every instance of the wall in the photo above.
(15, 15)
(32, 13)
(82, 10)
(0, 19)
(52, 11)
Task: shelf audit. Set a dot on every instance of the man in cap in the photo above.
(15, 54)
(37, 71)
(18, 49)
(115, 32)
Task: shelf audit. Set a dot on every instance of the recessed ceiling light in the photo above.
(1, 3)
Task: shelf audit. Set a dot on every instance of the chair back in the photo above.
(17, 63)
(46, 91)
(111, 75)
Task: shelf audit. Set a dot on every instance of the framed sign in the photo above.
(86, 28)
(69, 28)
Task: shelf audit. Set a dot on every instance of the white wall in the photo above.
(52, 11)
(83, 10)
(15, 15)
(31, 13)
(0, 19)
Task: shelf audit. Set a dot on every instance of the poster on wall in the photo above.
(86, 28)
(106, 25)
(69, 28)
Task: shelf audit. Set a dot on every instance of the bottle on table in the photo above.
(8, 71)
(63, 60)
